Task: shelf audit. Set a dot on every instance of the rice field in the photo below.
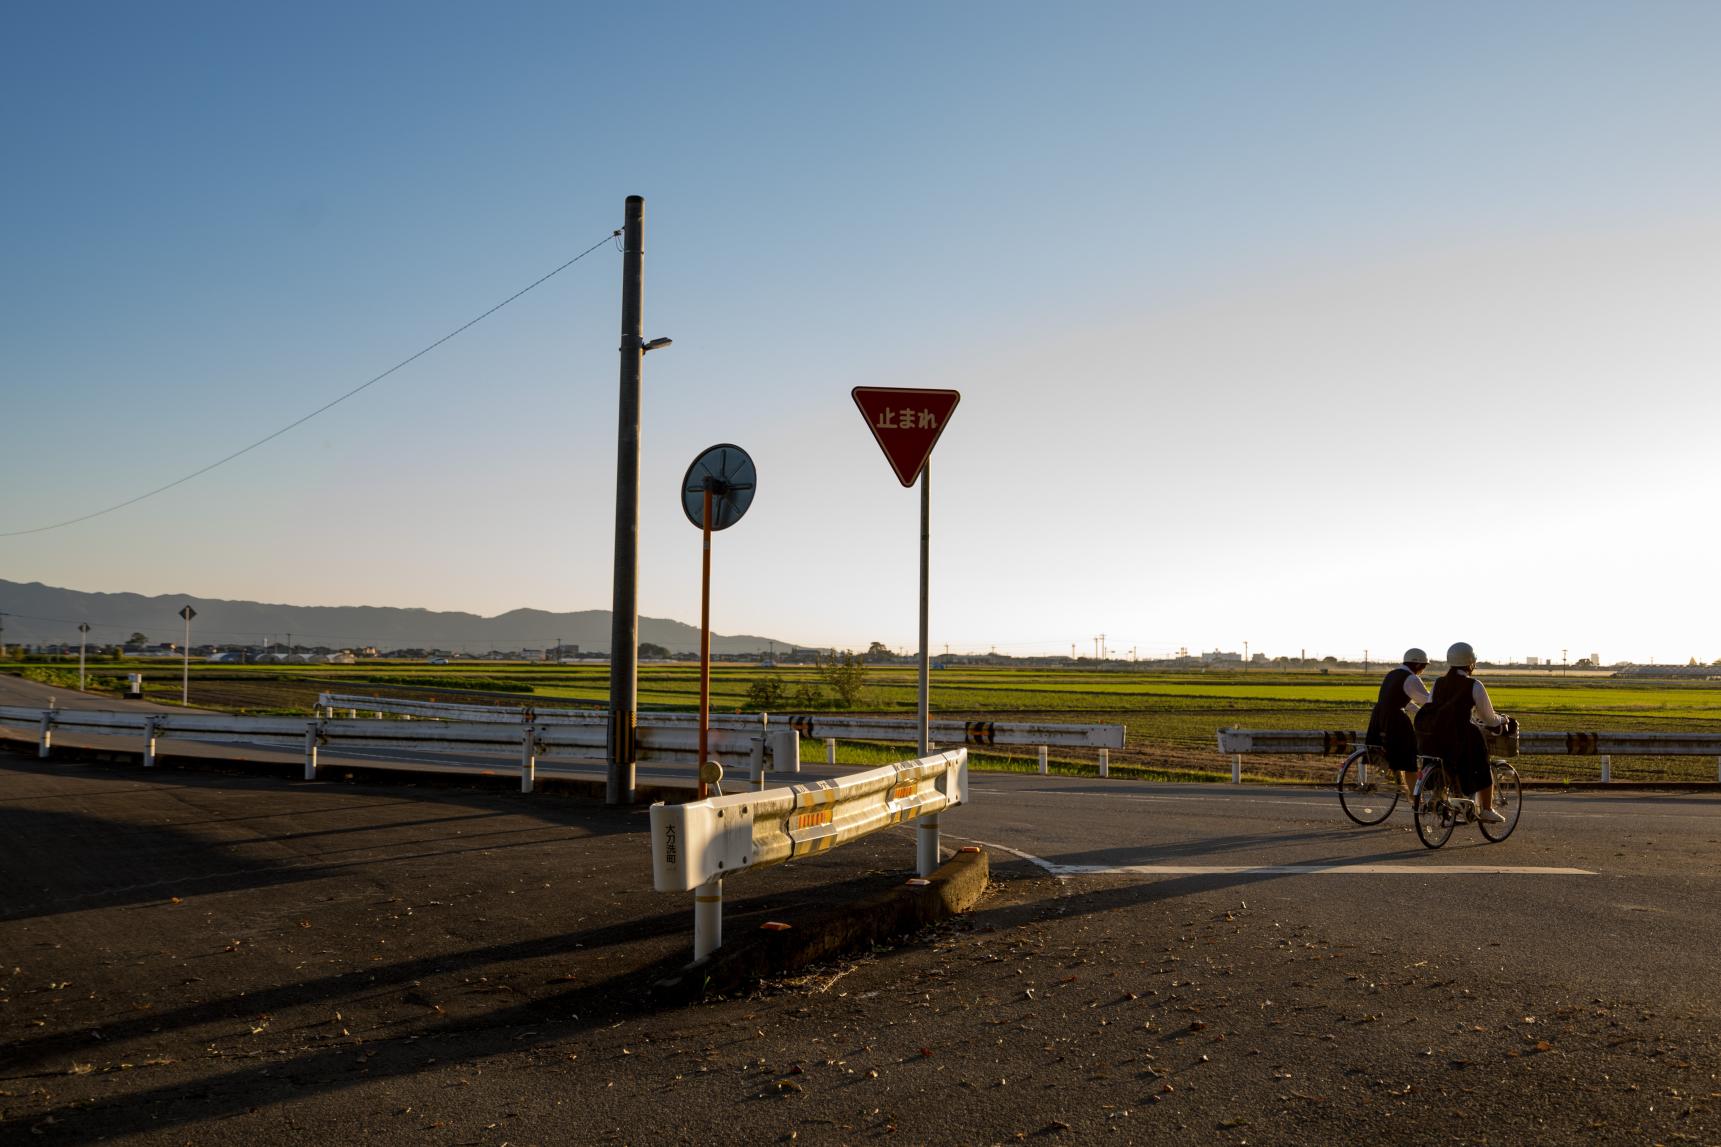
(1172, 717)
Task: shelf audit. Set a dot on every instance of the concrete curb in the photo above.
(838, 930)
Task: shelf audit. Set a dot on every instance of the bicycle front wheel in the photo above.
(1434, 815)
(1508, 801)
(1364, 796)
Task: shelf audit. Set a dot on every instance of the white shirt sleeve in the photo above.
(1417, 691)
(1484, 707)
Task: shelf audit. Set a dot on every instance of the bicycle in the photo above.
(1438, 806)
(1366, 801)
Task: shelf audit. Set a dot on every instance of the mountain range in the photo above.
(32, 613)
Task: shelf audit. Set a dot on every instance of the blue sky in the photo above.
(1322, 326)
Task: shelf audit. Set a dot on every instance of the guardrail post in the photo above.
(707, 918)
(1105, 762)
(311, 734)
(149, 730)
(1237, 769)
(1606, 769)
(1045, 763)
(756, 761)
(830, 750)
(785, 746)
(47, 734)
(528, 757)
(926, 857)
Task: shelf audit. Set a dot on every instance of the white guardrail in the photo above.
(574, 744)
(331, 704)
(1291, 742)
(694, 846)
(829, 727)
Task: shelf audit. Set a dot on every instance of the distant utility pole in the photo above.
(1245, 655)
(83, 637)
(2, 636)
(1565, 669)
(1365, 661)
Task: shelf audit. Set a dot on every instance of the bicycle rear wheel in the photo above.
(1434, 816)
(1364, 796)
(1508, 798)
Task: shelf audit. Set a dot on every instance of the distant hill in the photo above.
(39, 614)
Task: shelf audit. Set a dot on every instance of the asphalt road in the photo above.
(187, 958)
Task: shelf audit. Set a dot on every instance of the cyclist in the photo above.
(1449, 728)
(1390, 731)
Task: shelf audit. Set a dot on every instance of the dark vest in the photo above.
(1390, 701)
(1455, 688)
(1449, 713)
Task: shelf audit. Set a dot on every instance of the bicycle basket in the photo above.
(1501, 744)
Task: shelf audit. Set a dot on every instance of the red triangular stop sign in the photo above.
(906, 422)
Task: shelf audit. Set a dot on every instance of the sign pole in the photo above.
(926, 859)
(185, 682)
(705, 645)
(925, 596)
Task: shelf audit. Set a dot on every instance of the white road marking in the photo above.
(1064, 871)
(1315, 870)
(1315, 796)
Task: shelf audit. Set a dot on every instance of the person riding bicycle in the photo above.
(1449, 728)
(1390, 731)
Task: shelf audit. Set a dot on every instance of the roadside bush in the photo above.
(62, 678)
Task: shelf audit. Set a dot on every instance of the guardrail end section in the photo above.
(1233, 740)
(959, 766)
(683, 845)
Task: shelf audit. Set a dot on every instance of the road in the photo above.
(1154, 963)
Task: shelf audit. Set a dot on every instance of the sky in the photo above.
(1324, 327)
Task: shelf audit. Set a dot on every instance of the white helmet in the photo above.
(1415, 656)
(1461, 655)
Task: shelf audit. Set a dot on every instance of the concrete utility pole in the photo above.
(624, 608)
(83, 637)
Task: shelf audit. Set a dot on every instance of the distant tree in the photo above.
(845, 675)
(878, 651)
(653, 650)
(137, 639)
(765, 692)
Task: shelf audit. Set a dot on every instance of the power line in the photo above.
(326, 406)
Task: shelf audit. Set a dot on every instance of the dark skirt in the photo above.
(1394, 742)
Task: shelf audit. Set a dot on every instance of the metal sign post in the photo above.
(715, 493)
(83, 639)
(906, 424)
(185, 683)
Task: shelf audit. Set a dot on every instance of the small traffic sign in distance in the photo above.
(906, 423)
(188, 613)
